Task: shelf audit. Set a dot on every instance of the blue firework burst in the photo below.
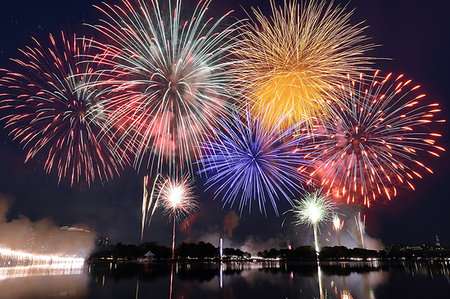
(248, 162)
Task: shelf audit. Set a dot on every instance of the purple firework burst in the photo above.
(248, 162)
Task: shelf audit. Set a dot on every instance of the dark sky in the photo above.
(414, 34)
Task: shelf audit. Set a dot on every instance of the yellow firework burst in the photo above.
(292, 58)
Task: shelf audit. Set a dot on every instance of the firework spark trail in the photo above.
(149, 204)
(246, 159)
(313, 210)
(338, 224)
(49, 110)
(373, 144)
(292, 58)
(145, 205)
(168, 80)
(361, 228)
(177, 200)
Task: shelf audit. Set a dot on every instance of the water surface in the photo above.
(231, 280)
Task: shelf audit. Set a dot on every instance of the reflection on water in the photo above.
(30, 271)
(319, 278)
(280, 280)
(27, 275)
(231, 281)
(42, 282)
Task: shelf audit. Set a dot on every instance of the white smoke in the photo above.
(43, 236)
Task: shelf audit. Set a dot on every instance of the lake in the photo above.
(231, 280)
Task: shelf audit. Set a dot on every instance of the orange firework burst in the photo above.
(291, 59)
(373, 144)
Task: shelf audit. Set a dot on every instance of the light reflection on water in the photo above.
(32, 271)
(230, 281)
(43, 282)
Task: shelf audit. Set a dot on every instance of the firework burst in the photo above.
(245, 160)
(374, 142)
(50, 111)
(169, 79)
(178, 201)
(313, 210)
(291, 59)
(177, 198)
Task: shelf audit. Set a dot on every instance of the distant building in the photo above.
(75, 229)
(416, 248)
(438, 243)
(103, 241)
(147, 258)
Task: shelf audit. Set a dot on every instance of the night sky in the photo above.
(414, 35)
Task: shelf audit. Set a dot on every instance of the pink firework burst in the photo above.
(50, 109)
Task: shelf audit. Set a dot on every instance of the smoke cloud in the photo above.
(253, 245)
(43, 236)
(5, 202)
(230, 222)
